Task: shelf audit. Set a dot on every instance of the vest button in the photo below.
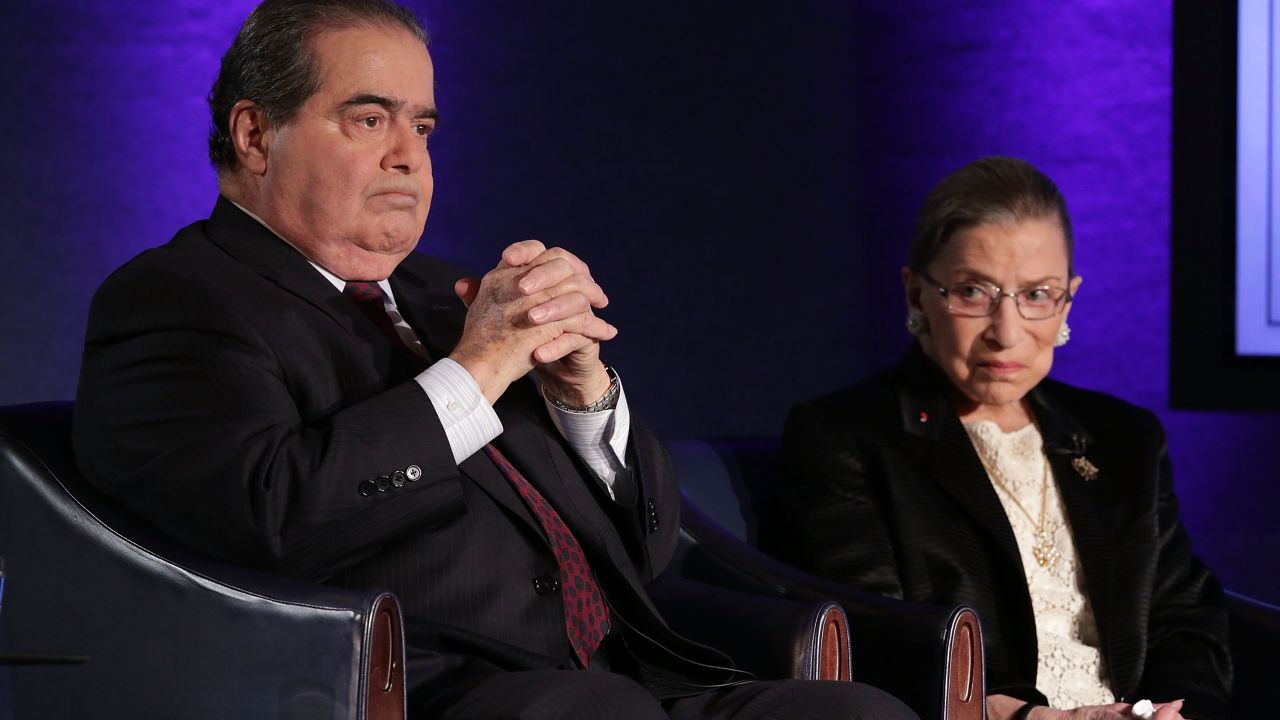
(546, 585)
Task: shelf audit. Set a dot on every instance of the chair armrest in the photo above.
(1255, 641)
(929, 656)
(769, 636)
(168, 632)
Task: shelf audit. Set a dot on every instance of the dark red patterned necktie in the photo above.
(370, 299)
(368, 296)
(586, 619)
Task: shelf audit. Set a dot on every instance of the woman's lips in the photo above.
(1002, 368)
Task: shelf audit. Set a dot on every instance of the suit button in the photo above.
(546, 585)
(413, 472)
(397, 478)
(367, 488)
(383, 483)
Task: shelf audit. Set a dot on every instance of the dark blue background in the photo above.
(742, 178)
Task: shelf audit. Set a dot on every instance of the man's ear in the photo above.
(250, 131)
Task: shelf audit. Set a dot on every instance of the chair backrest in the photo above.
(930, 657)
(1255, 647)
(166, 631)
(732, 480)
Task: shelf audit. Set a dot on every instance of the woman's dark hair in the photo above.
(991, 190)
(272, 63)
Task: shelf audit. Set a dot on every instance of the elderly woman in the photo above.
(965, 476)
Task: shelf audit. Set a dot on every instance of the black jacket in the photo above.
(885, 491)
(236, 399)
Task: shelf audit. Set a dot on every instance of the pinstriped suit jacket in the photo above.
(883, 490)
(234, 398)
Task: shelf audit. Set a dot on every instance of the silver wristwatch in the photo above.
(606, 401)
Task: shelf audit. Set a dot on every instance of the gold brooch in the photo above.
(1084, 468)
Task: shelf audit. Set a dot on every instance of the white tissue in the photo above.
(1144, 709)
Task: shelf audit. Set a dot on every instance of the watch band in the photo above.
(606, 402)
(1022, 712)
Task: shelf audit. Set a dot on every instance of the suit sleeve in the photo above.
(1187, 653)
(830, 521)
(191, 418)
(658, 516)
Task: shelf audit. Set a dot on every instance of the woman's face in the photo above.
(993, 361)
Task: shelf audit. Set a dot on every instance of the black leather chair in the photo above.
(929, 656)
(165, 632)
(1255, 652)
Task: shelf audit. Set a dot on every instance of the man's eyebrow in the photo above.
(369, 99)
(425, 112)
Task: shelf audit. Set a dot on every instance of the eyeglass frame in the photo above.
(1000, 294)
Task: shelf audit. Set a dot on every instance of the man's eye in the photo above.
(422, 129)
(371, 122)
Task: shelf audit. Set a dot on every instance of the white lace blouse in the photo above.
(1070, 671)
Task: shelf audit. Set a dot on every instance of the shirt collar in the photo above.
(334, 280)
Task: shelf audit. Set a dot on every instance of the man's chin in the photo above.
(393, 242)
(369, 261)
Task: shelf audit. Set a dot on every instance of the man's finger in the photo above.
(545, 275)
(559, 253)
(572, 285)
(466, 290)
(561, 346)
(557, 271)
(589, 326)
(521, 253)
(559, 308)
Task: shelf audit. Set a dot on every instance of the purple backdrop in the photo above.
(743, 183)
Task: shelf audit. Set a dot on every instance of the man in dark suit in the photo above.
(287, 385)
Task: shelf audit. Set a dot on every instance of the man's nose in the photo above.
(406, 152)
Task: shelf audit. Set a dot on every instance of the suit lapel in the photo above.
(955, 465)
(437, 320)
(536, 451)
(949, 456)
(1092, 507)
(550, 471)
(251, 243)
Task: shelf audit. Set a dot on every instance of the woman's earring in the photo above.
(1064, 335)
(915, 322)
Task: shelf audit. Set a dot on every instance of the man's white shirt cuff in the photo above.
(469, 421)
(600, 438)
